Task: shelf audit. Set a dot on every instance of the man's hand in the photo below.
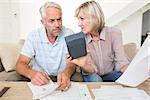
(63, 81)
(23, 68)
(38, 78)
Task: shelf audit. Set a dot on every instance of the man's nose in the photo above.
(56, 23)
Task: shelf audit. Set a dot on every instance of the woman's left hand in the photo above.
(81, 61)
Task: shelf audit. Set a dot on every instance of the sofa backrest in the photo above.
(9, 53)
(130, 50)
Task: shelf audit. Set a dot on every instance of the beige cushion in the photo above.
(130, 50)
(9, 53)
(5, 75)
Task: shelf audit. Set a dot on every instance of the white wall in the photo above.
(5, 21)
(68, 9)
(109, 7)
(131, 28)
(15, 25)
(9, 23)
(27, 18)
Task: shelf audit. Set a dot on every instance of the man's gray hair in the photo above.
(47, 5)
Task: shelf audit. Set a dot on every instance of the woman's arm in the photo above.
(83, 62)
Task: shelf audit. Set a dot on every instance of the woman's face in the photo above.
(84, 23)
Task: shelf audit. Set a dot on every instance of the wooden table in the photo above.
(20, 90)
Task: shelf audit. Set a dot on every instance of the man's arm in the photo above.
(23, 68)
(70, 69)
(63, 78)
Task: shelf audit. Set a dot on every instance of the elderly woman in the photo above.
(104, 45)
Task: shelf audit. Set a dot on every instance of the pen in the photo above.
(3, 91)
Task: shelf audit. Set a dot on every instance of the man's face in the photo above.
(53, 21)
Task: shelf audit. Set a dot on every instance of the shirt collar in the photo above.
(43, 35)
(102, 36)
(44, 38)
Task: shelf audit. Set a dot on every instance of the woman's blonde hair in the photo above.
(47, 5)
(92, 10)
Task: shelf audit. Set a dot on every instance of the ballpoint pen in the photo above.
(3, 91)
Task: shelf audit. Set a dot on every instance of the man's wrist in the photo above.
(29, 74)
(67, 73)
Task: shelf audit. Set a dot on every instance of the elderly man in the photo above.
(47, 48)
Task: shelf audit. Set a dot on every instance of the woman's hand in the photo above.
(123, 68)
(68, 58)
(84, 62)
(81, 61)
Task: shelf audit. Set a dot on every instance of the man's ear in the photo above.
(42, 21)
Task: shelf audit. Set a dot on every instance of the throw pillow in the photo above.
(9, 53)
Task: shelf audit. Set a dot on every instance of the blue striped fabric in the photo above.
(46, 57)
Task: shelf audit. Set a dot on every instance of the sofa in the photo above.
(9, 53)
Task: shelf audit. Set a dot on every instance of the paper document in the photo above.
(42, 91)
(76, 92)
(139, 69)
(119, 93)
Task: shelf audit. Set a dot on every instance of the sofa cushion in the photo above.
(9, 53)
(4, 76)
(1, 66)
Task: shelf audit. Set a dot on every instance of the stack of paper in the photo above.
(42, 91)
(76, 92)
(119, 93)
(139, 69)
